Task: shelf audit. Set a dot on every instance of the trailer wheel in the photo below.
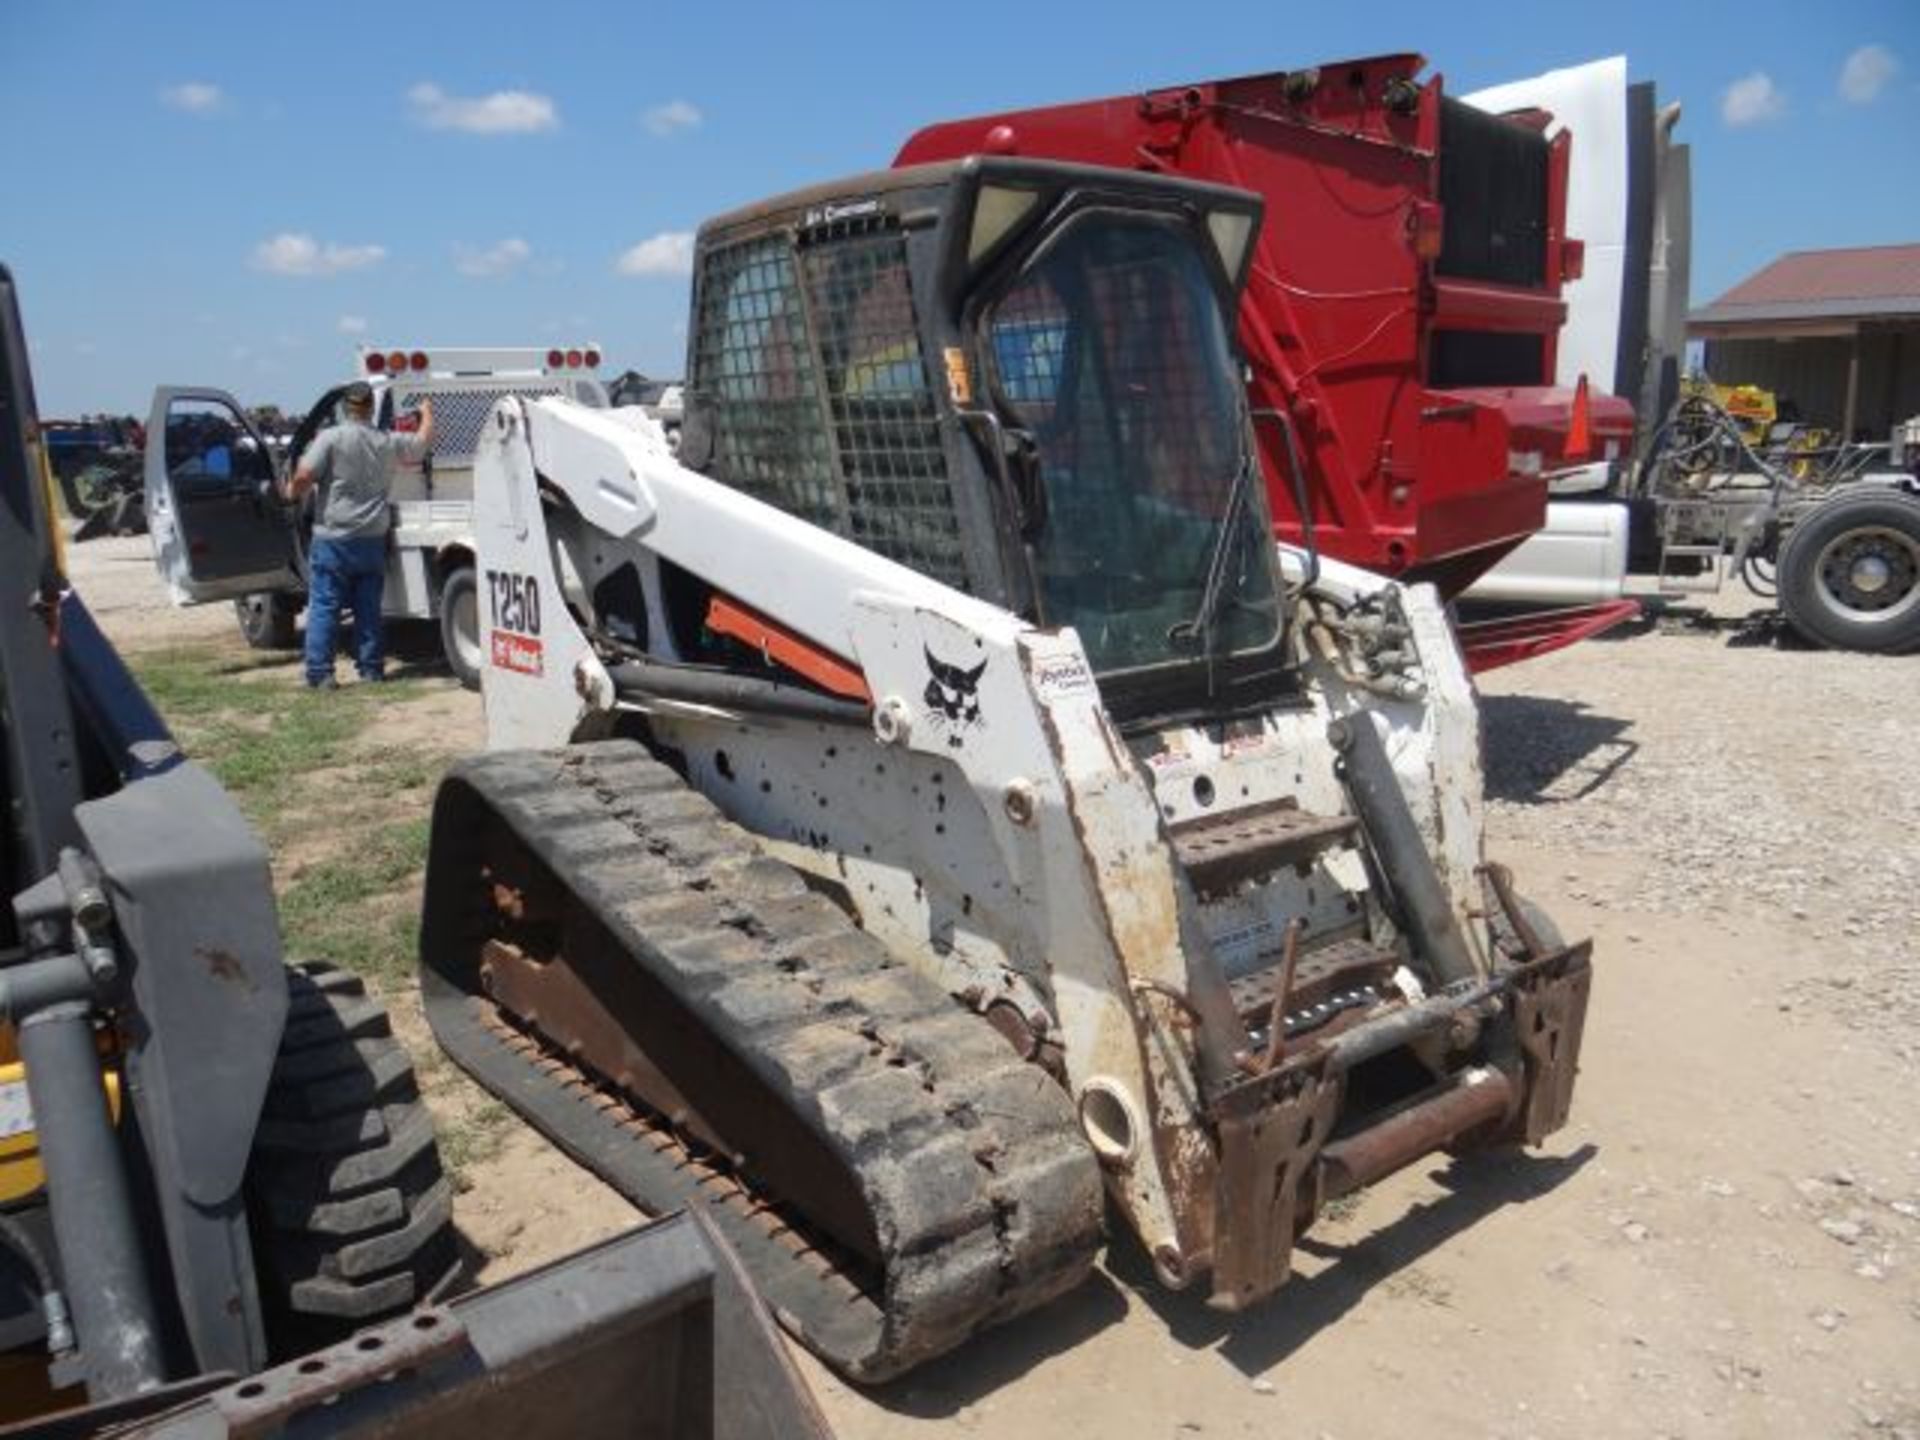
(266, 620)
(460, 626)
(351, 1214)
(1850, 571)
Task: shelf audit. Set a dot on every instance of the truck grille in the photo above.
(1493, 183)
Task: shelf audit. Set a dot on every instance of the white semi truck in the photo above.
(1629, 198)
(211, 477)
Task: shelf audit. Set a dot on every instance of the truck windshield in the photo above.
(1111, 351)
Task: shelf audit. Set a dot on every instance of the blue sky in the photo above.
(222, 193)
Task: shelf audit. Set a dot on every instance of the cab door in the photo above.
(214, 514)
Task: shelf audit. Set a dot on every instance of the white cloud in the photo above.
(499, 259)
(292, 253)
(668, 253)
(1866, 73)
(1752, 99)
(675, 115)
(196, 97)
(351, 325)
(505, 112)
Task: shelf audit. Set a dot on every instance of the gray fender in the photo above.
(200, 940)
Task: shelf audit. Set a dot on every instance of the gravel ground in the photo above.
(1743, 775)
(1725, 1241)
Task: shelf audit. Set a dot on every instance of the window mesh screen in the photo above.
(853, 446)
(752, 361)
(880, 403)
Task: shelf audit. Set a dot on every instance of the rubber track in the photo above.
(986, 1198)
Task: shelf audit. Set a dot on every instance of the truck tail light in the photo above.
(376, 362)
(418, 360)
(397, 362)
(573, 359)
(556, 359)
(593, 359)
(1573, 259)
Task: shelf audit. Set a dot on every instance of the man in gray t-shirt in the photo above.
(352, 464)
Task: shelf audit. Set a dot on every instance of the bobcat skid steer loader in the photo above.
(928, 806)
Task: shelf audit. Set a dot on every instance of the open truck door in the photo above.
(218, 526)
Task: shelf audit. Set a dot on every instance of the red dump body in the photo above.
(1404, 302)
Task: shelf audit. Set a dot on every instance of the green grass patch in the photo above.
(263, 735)
(376, 942)
(189, 683)
(332, 910)
(404, 770)
(298, 739)
(474, 1139)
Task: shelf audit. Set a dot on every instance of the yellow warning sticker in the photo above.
(959, 378)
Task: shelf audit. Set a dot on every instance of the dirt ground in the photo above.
(1725, 1241)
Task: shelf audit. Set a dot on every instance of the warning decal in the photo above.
(518, 652)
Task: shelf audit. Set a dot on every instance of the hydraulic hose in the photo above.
(1297, 483)
(53, 1305)
(648, 679)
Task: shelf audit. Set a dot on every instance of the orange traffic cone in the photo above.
(1580, 428)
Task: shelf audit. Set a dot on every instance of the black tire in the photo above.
(352, 1216)
(460, 626)
(1849, 571)
(266, 621)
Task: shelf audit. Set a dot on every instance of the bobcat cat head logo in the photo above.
(953, 694)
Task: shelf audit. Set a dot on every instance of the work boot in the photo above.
(326, 682)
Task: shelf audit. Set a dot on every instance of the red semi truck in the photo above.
(1404, 310)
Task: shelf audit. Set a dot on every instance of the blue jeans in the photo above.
(350, 573)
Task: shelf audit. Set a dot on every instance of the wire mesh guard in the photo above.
(853, 443)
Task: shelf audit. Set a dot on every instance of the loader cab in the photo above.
(1018, 378)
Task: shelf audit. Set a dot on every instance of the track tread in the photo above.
(985, 1196)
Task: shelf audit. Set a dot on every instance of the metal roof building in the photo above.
(1834, 332)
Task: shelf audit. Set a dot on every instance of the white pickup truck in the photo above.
(220, 531)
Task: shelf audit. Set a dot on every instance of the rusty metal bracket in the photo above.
(1549, 1006)
(263, 1404)
(1271, 1128)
